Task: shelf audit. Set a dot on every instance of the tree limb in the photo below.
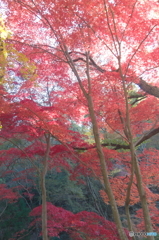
(152, 90)
(118, 146)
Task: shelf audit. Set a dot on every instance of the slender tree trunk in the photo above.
(135, 165)
(43, 189)
(142, 194)
(104, 170)
(146, 213)
(127, 201)
(101, 156)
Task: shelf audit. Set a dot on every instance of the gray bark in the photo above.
(148, 88)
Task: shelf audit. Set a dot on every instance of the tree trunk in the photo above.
(104, 171)
(43, 190)
(101, 156)
(127, 201)
(134, 162)
(147, 219)
(142, 194)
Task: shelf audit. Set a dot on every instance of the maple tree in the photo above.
(22, 123)
(92, 55)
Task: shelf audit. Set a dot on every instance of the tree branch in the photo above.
(118, 146)
(152, 90)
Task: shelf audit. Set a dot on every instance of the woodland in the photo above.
(79, 119)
